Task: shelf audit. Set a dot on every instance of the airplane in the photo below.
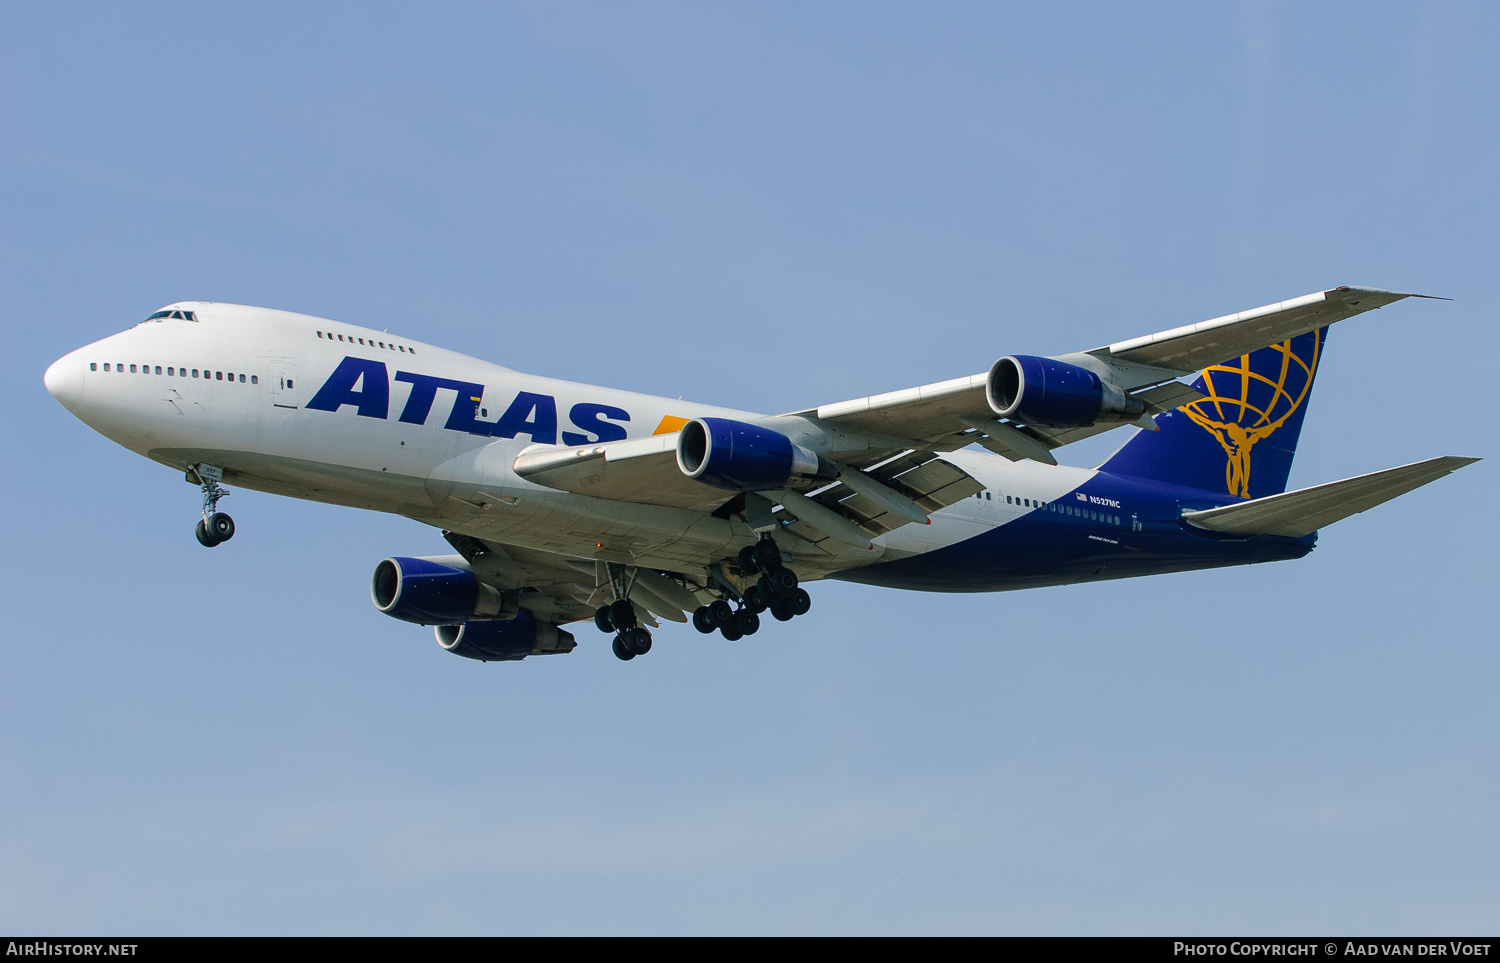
(565, 502)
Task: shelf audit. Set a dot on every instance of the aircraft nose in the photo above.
(64, 379)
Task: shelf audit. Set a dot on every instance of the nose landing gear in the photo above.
(215, 527)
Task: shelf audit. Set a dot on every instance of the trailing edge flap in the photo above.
(645, 471)
(560, 589)
(1303, 512)
(929, 481)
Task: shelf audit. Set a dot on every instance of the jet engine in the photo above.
(745, 458)
(505, 641)
(1054, 394)
(428, 592)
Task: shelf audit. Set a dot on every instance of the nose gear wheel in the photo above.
(216, 527)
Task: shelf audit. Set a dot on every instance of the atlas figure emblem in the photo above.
(1245, 406)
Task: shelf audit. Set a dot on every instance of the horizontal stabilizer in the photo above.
(1303, 512)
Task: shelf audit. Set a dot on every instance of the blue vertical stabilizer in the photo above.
(1241, 438)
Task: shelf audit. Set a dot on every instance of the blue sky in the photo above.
(766, 206)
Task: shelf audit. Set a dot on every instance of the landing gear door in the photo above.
(283, 379)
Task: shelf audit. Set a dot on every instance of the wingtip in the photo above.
(1396, 294)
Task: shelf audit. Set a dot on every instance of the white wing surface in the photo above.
(953, 414)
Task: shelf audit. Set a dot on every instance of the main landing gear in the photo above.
(776, 590)
(631, 639)
(215, 526)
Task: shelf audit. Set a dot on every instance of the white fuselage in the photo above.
(233, 389)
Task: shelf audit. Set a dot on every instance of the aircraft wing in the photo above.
(953, 414)
(640, 470)
(560, 589)
(872, 495)
(887, 448)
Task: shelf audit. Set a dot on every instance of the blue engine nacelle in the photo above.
(428, 592)
(744, 458)
(504, 641)
(1054, 394)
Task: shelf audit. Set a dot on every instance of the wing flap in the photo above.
(560, 589)
(920, 476)
(1303, 512)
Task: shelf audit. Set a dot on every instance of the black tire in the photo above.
(721, 612)
(221, 527)
(622, 614)
(639, 640)
(622, 651)
(800, 602)
(755, 599)
(731, 632)
(747, 621)
(204, 538)
(783, 583)
(747, 560)
(601, 619)
(703, 621)
(782, 610)
(767, 555)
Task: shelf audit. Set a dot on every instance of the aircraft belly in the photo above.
(302, 478)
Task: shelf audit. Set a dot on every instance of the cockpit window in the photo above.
(171, 314)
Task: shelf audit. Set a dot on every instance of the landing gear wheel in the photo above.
(731, 631)
(205, 538)
(622, 651)
(782, 610)
(747, 621)
(720, 612)
(622, 614)
(747, 561)
(216, 527)
(782, 583)
(703, 621)
(221, 526)
(755, 599)
(601, 619)
(767, 555)
(638, 640)
(799, 602)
